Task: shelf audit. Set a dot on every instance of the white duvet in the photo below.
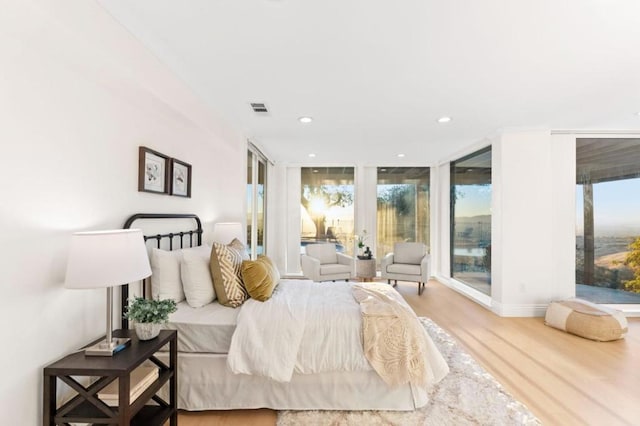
(305, 328)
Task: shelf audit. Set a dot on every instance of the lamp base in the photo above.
(105, 349)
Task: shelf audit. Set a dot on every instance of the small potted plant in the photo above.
(149, 315)
(360, 239)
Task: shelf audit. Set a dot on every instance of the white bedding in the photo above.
(319, 378)
(312, 328)
(205, 383)
(207, 329)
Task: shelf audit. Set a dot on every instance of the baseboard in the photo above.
(631, 311)
(473, 294)
(500, 309)
(519, 310)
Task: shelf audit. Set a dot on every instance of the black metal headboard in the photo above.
(170, 237)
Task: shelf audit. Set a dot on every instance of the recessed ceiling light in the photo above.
(400, 155)
(444, 119)
(305, 120)
(315, 170)
(383, 170)
(312, 155)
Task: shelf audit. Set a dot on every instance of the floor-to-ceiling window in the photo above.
(326, 206)
(403, 207)
(471, 220)
(256, 201)
(608, 220)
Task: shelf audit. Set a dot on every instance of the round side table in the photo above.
(366, 269)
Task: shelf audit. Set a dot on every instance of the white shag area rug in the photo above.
(468, 395)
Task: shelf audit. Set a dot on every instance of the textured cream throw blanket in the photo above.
(395, 342)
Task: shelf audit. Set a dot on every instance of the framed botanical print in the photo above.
(180, 178)
(153, 171)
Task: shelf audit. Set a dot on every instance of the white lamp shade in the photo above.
(225, 232)
(106, 259)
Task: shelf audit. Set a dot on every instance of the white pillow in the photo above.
(196, 278)
(165, 273)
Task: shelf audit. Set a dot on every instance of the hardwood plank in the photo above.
(260, 417)
(563, 379)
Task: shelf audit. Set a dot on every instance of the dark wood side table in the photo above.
(86, 407)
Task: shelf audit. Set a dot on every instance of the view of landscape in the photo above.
(615, 229)
(402, 207)
(471, 220)
(608, 220)
(326, 207)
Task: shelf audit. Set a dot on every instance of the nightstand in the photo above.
(85, 407)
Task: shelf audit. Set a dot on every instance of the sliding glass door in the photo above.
(326, 206)
(256, 202)
(403, 207)
(608, 220)
(471, 220)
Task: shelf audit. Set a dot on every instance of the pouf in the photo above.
(586, 319)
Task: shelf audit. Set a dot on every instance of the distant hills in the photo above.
(631, 230)
(484, 219)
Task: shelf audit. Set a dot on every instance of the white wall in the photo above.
(78, 95)
(533, 221)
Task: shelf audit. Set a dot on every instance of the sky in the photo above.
(473, 200)
(616, 208)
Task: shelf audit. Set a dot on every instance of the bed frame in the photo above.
(170, 237)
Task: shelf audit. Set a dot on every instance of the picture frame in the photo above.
(180, 178)
(153, 171)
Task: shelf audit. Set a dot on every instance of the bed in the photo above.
(212, 339)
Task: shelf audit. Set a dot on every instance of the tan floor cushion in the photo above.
(587, 319)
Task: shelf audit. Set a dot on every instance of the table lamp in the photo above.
(225, 232)
(104, 259)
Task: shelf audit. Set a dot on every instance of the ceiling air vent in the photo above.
(259, 108)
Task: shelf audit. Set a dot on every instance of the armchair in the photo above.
(321, 262)
(408, 262)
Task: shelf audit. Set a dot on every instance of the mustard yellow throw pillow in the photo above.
(226, 262)
(260, 278)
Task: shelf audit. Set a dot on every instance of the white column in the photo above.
(293, 218)
(533, 221)
(440, 222)
(276, 223)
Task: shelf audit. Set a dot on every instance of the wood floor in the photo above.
(562, 379)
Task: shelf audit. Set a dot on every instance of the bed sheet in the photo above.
(207, 329)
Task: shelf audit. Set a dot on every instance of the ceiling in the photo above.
(376, 75)
(605, 160)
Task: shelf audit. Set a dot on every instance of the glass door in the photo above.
(326, 206)
(256, 203)
(607, 220)
(471, 220)
(403, 207)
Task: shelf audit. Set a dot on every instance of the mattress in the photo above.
(204, 330)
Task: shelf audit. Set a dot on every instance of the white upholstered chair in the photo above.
(321, 262)
(408, 262)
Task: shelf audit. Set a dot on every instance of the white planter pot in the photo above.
(147, 330)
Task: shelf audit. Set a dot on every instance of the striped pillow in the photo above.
(226, 262)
